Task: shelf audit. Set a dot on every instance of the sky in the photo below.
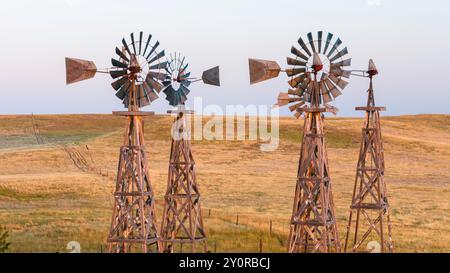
(409, 41)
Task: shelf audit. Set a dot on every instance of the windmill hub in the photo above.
(319, 64)
(134, 65)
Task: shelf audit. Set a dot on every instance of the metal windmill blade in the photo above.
(311, 42)
(211, 76)
(334, 47)
(79, 70)
(122, 55)
(327, 42)
(261, 70)
(304, 47)
(298, 53)
(319, 40)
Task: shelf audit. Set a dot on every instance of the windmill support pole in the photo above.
(133, 224)
(182, 221)
(369, 199)
(313, 223)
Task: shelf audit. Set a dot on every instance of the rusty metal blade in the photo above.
(150, 93)
(158, 66)
(158, 76)
(79, 70)
(332, 88)
(340, 54)
(170, 95)
(292, 61)
(146, 44)
(185, 90)
(140, 42)
(118, 83)
(334, 47)
(154, 84)
(124, 43)
(283, 99)
(117, 63)
(117, 73)
(133, 43)
(152, 50)
(211, 76)
(142, 97)
(347, 62)
(304, 47)
(319, 40)
(338, 72)
(123, 91)
(295, 92)
(294, 107)
(311, 42)
(261, 70)
(122, 55)
(339, 82)
(157, 57)
(296, 81)
(325, 93)
(298, 53)
(327, 43)
(295, 71)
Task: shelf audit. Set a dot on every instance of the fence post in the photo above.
(270, 228)
(215, 246)
(237, 219)
(209, 213)
(260, 245)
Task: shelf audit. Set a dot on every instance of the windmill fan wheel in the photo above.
(138, 71)
(176, 84)
(316, 72)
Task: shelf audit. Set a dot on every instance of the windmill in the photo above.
(182, 222)
(369, 199)
(316, 72)
(137, 71)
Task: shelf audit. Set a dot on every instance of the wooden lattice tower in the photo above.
(137, 74)
(313, 221)
(182, 224)
(369, 200)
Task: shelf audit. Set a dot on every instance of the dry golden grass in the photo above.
(45, 201)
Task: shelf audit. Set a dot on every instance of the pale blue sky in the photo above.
(409, 41)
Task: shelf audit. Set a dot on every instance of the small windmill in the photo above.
(137, 72)
(369, 199)
(182, 217)
(316, 77)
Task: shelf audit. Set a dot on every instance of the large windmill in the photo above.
(316, 78)
(182, 222)
(137, 71)
(369, 200)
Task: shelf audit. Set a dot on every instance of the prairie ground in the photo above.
(46, 200)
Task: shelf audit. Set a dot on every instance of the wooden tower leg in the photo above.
(182, 217)
(133, 225)
(369, 199)
(313, 223)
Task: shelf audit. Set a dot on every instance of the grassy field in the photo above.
(47, 201)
